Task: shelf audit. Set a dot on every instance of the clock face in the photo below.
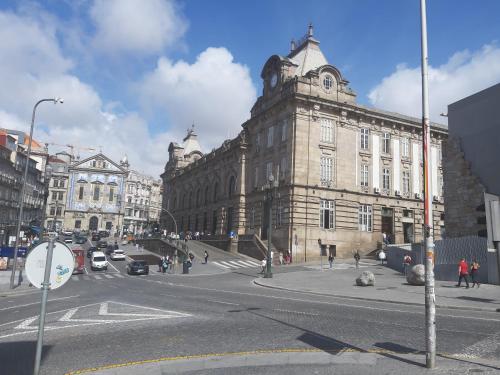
(274, 79)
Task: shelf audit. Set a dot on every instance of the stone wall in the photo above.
(464, 194)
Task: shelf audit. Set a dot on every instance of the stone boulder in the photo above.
(416, 275)
(366, 278)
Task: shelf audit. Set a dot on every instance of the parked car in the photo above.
(117, 255)
(68, 239)
(90, 251)
(96, 237)
(103, 233)
(138, 267)
(109, 249)
(98, 261)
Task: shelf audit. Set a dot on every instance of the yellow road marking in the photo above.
(197, 356)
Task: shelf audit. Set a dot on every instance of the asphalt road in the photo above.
(106, 318)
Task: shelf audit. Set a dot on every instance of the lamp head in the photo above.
(58, 100)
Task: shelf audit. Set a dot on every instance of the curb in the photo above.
(451, 307)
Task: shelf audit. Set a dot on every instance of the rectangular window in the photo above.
(96, 193)
(61, 183)
(279, 213)
(111, 193)
(365, 218)
(386, 143)
(386, 179)
(60, 196)
(78, 224)
(256, 177)
(269, 171)
(326, 132)
(406, 182)
(257, 142)
(80, 193)
(270, 135)
(52, 211)
(364, 174)
(326, 214)
(326, 169)
(283, 167)
(56, 183)
(405, 147)
(284, 130)
(364, 138)
(58, 211)
(54, 195)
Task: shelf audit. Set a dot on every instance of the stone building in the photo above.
(13, 159)
(94, 198)
(142, 201)
(57, 190)
(345, 172)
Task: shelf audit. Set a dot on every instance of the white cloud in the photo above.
(137, 25)
(32, 66)
(464, 74)
(214, 92)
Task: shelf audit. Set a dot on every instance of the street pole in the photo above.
(269, 274)
(430, 297)
(176, 237)
(23, 188)
(41, 319)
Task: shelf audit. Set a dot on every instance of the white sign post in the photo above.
(49, 263)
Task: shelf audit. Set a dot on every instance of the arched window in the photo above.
(190, 201)
(216, 187)
(231, 187)
(198, 197)
(207, 191)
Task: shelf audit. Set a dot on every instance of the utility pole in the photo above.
(430, 297)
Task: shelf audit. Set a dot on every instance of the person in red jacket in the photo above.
(463, 272)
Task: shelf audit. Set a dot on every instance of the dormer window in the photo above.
(328, 82)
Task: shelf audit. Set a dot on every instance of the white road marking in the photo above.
(228, 264)
(235, 264)
(97, 277)
(85, 269)
(225, 303)
(246, 264)
(253, 263)
(119, 275)
(75, 278)
(37, 303)
(86, 277)
(116, 269)
(221, 265)
(295, 312)
(108, 276)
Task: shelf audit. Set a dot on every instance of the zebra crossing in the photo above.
(103, 276)
(235, 264)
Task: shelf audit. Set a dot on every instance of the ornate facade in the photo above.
(346, 173)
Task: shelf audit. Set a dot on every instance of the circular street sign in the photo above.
(63, 263)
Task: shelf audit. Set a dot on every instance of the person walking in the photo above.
(206, 257)
(281, 258)
(330, 260)
(160, 264)
(474, 269)
(164, 265)
(263, 264)
(381, 256)
(406, 263)
(357, 257)
(463, 272)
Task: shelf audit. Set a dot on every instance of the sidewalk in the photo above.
(390, 286)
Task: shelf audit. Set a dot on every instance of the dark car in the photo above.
(96, 237)
(103, 233)
(102, 244)
(138, 267)
(80, 240)
(91, 250)
(109, 249)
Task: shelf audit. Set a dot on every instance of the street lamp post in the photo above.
(270, 186)
(320, 253)
(176, 233)
(23, 187)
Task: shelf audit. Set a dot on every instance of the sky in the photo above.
(135, 74)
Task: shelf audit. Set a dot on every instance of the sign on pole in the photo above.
(63, 263)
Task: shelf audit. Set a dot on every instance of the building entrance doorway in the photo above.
(93, 223)
(229, 225)
(388, 223)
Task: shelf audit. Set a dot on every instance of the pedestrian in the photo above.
(463, 272)
(160, 264)
(381, 256)
(384, 238)
(281, 258)
(357, 257)
(474, 269)
(116, 246)
(263, 264)
(206, 257)
(164, 265)
(137, 247)
(406, 263)
(330, 260)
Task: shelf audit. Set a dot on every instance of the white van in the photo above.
(98, 261)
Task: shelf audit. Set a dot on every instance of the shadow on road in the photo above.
(18, 357)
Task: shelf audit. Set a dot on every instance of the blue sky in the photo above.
(136, 73)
